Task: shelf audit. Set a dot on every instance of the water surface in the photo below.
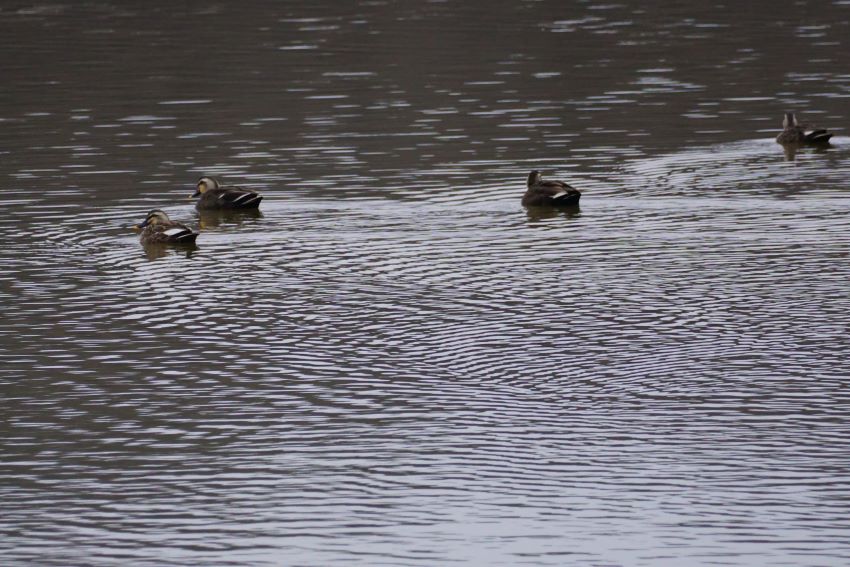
(393, 363)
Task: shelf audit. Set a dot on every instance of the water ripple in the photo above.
(393, 363)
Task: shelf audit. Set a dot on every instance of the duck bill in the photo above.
(195, 194)
(141, 225)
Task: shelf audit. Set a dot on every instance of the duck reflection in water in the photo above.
(212, 218)
(536, 214)
(791, 150)
(158, 251)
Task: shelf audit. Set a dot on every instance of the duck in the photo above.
(214, 195)
(157, 228)
(542, 193)
(795, 133)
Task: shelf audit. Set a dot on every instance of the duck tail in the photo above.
(567, 198)
(252, 201)
(818, 137)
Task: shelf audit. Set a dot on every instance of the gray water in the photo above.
(394, 363)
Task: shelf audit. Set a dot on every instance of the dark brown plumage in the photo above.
(542, 193)
(795, 133)
(214, 195)
(157, 228)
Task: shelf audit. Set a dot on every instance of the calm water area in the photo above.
(393, 363)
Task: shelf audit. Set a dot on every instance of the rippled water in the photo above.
(393, 363)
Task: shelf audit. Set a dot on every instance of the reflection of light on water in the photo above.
(659, 84)
(187, 101)
(751, 166)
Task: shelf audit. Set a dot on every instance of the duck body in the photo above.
(795, 133)
(546, 193)
(157, 228)
(214, 195)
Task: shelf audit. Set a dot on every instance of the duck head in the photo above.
(790, 121)
(205, 184)
(533, 178)
(156, 216)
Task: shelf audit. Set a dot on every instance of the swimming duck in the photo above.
(214, 195)
(542, 193)
(157, 228)
(795, 133)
